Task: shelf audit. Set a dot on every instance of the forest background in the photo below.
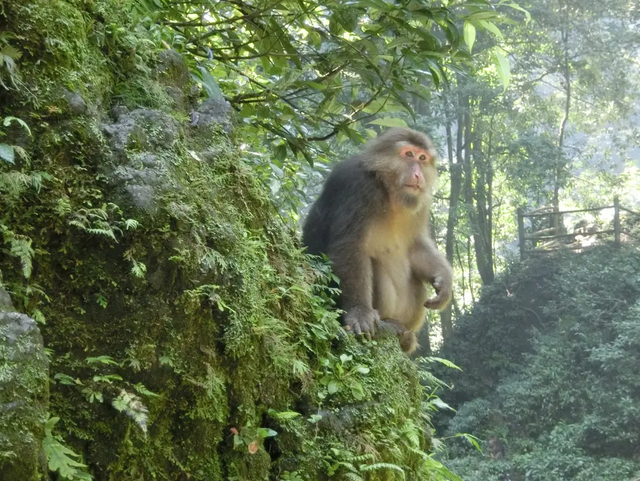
(531, 105)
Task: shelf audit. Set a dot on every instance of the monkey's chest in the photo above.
(395, 290)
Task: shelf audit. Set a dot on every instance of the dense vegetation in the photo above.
(548, 356)
(156, 157)
(187, 337)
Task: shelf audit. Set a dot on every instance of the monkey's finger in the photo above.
(356, 329)
(437, 302)
(371, 328)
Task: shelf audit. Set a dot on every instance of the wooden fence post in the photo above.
(616, 221)
(521, 231)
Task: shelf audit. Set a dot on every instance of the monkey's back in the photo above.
(350, 197)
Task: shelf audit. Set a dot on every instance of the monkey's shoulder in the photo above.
(351, 178)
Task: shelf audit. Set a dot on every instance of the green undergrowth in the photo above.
(549, 359)
(189, 340)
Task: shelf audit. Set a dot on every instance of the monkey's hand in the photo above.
(362, 320)
(443, 286)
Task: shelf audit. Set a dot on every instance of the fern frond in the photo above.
(352, 477)
(21, 248)
(361, 458)
(378, 466)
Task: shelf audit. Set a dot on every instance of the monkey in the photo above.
(496, 449)
(372, 221)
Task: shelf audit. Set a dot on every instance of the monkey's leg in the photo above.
(408, 341)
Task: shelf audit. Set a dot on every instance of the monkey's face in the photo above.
(415, 173)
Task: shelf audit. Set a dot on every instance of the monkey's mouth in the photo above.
(413, 188)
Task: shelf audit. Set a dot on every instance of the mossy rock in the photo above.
(187, 338)
(24, 397)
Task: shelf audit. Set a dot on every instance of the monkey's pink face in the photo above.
(416, 161)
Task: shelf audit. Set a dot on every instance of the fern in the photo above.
(353, 477)
(131, 224)
(411, 433)
(283, 415)
(417, 452)
(139, 269)
(379, 466)
(362, 458)
(106, 232)
(97, 221)
(21, 248)
(348, 466)
(60, 457)
(132, 406)
(213, 260)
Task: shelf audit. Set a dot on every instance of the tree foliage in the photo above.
(304, 71)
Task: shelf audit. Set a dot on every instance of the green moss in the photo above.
(205, 309)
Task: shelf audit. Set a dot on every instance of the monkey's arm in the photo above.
(429, 265)
(355, 198)
(355, 271)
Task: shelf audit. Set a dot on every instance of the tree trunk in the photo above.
(455, 171)
(562, 131)
(482, 229)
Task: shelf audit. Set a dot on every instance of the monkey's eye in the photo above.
(423, 157)
(409, 153)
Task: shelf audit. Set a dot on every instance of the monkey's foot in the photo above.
(408, 341)
(361, 320)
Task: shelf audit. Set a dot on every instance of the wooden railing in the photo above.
(555, 237)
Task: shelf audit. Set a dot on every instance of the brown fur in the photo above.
(376, 232)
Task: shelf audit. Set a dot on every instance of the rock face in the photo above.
(5, 301)
(185, 337)
(24, 397)
(77, 105)
(212, 111)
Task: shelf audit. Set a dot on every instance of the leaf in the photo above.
(469, 35)
(11, 52)
(65, 379)
(8, 120)
(266, 433)
(333, 387)
(363, 370)
(492, 28)
(60, 457)
(345, 357)
(472, 439)
(445, 362)
(101, 360)
(141, 388)
(314, 418)
(515, 6)
(502, 66)
(401, 41)
(389, 122)
(377, 466)
(284, 415)
(357, 391)
(441, 404)
(7, 153)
